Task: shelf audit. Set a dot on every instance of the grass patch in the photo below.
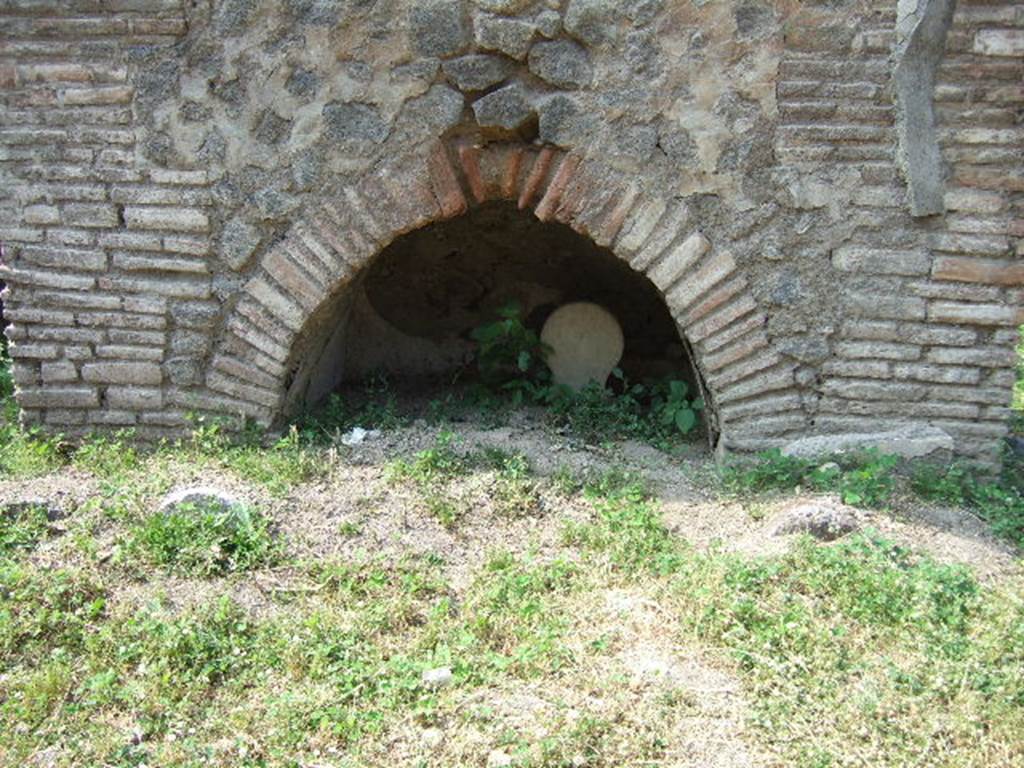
(46, 611)
(28, 452)
(287, 462)
(514, 492)
(627, 527)
(999, 502)
(22, 526)
(431, 471)
(205, 541)
(110, 457)
(870, 479)
(864, 649)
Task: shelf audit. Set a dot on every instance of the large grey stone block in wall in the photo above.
(921, 32)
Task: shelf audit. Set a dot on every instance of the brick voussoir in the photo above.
(612, 223)
(752, 343)
(776, 402)
(469, 158)
(713, 271)
(228, 385)
(672, 222)
(741, 369)
(275, 301)
(333, 237)
(363, 216)
(244, 371)
(254, 315)
(548, 204)
(310, 266)
(639, 224)
(702, 329)
(256, 346)
(536, 177)
(677, 260)
(445, 183)
(773, 379)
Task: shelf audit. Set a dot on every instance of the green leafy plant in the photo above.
(514, 492)
(510, 356)
(998, 501)
(6, 379)
(674, 409)
(862, 479)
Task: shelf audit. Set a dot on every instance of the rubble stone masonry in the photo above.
(829, 195)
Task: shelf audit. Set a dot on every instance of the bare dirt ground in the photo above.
(385, 517)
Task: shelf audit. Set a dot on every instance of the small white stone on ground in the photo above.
(437, 678)
(586, 344)
(432, 737)
(498, 759)
(203, 497)
(357, 435)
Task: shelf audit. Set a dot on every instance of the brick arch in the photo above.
(751, 388)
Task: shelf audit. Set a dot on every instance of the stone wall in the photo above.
(187, 190)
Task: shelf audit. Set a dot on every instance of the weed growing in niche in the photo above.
(510, 357)
(377, 408)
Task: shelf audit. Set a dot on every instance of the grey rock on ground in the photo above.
(825, 522)
(17, 508)
(437, 678)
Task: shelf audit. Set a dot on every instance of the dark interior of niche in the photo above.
(410, 314)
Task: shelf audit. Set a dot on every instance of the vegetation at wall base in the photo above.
(873, 480)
